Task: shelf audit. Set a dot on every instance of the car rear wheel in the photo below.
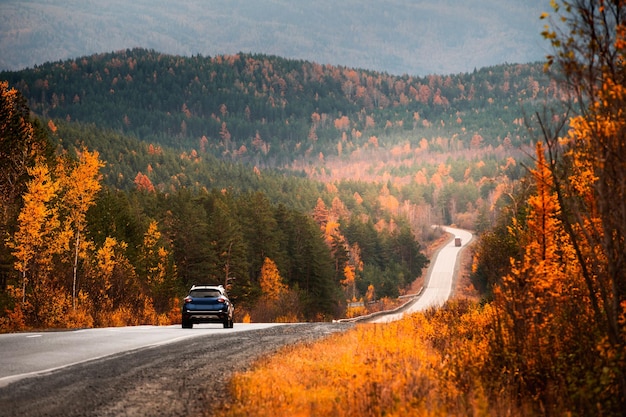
(187, 324)
(228, 324)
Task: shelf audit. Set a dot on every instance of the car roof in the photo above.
(207, 287)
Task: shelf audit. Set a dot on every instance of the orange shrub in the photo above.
(13, 321)
(78, 318)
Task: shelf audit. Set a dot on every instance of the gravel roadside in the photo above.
(186, 378)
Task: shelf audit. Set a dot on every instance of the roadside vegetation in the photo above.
(430, 363)
(550, 336)
(521, 353)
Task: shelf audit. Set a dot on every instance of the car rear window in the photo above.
(205, 293)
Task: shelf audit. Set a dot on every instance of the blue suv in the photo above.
(207, 304)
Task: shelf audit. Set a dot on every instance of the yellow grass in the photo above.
(424, 365)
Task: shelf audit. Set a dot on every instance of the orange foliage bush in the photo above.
(119, 317)
(246, 318)
(173, 316)
(13, 321)
(78, 319)
(285, 309)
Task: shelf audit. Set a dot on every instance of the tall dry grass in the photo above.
(428, 364)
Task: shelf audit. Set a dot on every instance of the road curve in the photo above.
(441, 273)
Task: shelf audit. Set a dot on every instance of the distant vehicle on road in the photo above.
(207, 304)
(457, 241)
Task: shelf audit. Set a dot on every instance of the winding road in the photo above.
(161, 370)
(28, 354)
(441, 273)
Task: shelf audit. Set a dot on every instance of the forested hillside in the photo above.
(223, 168)
(76, 253)
(435, 141)
(268, 110)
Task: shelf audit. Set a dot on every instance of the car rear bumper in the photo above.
(205, 316)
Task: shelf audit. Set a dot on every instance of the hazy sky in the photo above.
(397, 36)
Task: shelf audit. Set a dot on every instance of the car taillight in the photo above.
(221, 300)
(187, 299)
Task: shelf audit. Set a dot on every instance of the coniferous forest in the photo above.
(304, 188)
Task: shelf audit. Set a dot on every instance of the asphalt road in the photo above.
(186, 377)
(441, 274)
(28, 354)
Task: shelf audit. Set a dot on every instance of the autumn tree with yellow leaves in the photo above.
(271, 282)
(156, 270)
(36, 241)
(51, 224)
(79, 180)
(539, 306)
(589, 172)
(559, 338)
(65, 278)
(22, 145)
(277, 303)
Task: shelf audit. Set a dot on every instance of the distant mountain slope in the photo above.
(270, 110)
(398, 37)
